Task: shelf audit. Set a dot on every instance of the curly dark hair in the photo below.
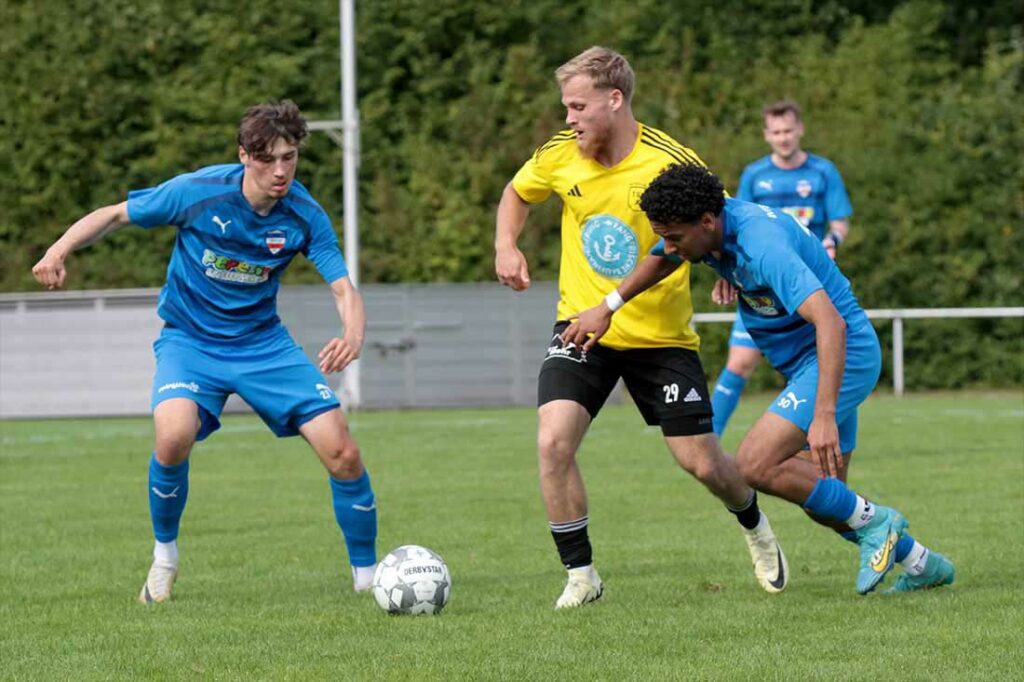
(682, 193)
(264, 123)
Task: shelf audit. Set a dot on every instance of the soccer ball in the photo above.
(412, 579)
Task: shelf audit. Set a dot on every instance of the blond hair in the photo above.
(607, 68)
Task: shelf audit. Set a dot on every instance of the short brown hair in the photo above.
(607, 68)
(262, 124)
(781, 108)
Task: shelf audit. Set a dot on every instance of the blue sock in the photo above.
(724, 398)
(356, 512)
(903, 547)
(831, 499)
(850, 536)
(168, 491)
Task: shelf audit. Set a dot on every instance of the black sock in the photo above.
(573, 543)
(749, 514)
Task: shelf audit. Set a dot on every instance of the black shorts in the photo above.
(668, 384)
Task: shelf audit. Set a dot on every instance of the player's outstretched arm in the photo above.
(339, 352)
(50, 270)
(594, 323)
(509, 262)
(830, 336)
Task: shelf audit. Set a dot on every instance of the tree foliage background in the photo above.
(919, 103)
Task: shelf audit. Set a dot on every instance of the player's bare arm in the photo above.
(837, 231)
(596, 321)
(830, 335)
(50, 270)
(339, 352)
(509, 262)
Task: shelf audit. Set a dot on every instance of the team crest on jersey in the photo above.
(610, 245)
(803, 188)
(635, 192)
(275, 240)
(762, 305)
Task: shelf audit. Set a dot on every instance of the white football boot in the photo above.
(584, 586)
(159, 582)
(770, 565)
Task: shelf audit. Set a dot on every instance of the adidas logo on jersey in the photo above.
(692, 396)
(575, 191)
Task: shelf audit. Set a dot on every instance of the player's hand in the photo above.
(593, 323)
(823, 438)
(337, 354)
(830, 247)
(49, 271)
(723, 293)
(511, 269)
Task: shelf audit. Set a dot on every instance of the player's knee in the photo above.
(754, 470)
(344, 461)
(555, 453)
(742, 365)
(171, 450)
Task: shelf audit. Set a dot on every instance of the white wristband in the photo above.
(614, 300)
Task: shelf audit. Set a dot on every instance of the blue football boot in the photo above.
(877, 542)
(938, 571)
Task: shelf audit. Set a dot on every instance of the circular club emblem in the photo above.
(610, 245)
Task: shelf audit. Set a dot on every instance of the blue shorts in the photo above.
(739, 336)
(863, 366)
(271, 373)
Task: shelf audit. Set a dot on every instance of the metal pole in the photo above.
(897, 356)
(350, 170)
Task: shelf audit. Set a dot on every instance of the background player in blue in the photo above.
(804, 185)
(803, 315)
(239, 225)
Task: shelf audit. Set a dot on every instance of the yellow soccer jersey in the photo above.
(605, 235)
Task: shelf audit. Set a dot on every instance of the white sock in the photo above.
(167, 552)
(362, 576)
(587, 571)
(863, 512)
(916, 560)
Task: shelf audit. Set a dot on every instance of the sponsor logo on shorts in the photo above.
(568, 351)
(228, 269)
(790, 400)
(325, 391)
(610, 245)
(189, 386)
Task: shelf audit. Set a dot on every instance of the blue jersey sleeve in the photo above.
(323, 249)
(837, 203)
(780, 267)
(161, 205)
(745, 192)
(659, 251)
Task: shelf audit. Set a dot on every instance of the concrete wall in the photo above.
(90, 353)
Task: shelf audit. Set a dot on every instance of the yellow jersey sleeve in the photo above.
(534, 181)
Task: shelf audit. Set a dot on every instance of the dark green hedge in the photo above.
(917, 102)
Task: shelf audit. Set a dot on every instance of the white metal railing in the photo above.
(21, 300)
(897, 316)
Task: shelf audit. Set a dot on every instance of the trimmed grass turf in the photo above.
(264, 590)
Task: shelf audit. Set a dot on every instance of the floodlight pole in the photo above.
(349, 142)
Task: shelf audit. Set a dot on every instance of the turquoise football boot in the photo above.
(938, 571)
(877, 542)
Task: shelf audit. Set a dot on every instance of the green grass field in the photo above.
(264, 590)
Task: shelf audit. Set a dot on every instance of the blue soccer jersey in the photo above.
(776, 264)
(224, 273)
(814, 193)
